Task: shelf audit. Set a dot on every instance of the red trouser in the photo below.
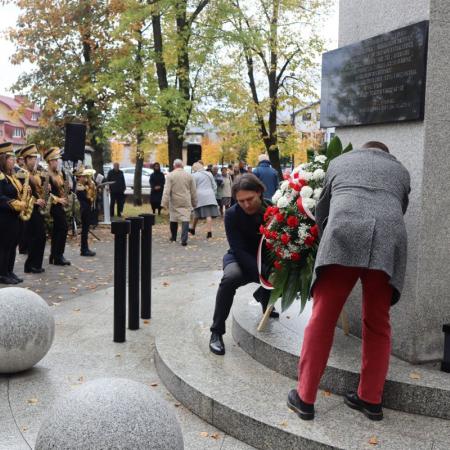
(330, 293)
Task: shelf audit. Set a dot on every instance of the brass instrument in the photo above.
(47, 196)
(27, 197)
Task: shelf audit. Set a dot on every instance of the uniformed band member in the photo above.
(11, 205)
(18, 169)
(58, 199)
(87, 194)
(35, 227)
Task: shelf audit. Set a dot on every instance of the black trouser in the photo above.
(120, 199)
(59, 233)
(232, 278)
(9, 238)
(36, 239)
(184, 231)
(86, 216)
(156, 206)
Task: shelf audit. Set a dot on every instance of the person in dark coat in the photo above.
(157, 181)
(267, 175)
(10, 208)
(87, 194)
(363, 237)
(242, 222)
(117, 189)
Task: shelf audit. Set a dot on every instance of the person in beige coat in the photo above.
(179, 197)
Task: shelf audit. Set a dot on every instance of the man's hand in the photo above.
(18, 205)
(157, 188)
(40, 202)
(62, 201)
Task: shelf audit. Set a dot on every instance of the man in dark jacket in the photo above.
(242, 222)
(117, 189)
(267, 175)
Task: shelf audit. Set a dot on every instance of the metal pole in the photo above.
(106, 203)
(445, 364)
(120, 231)
(146, 266)
(133, 271)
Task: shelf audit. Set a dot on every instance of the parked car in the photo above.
(129, 179)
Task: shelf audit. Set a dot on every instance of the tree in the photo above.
(275, 43)
(69, 45)
(184, 32)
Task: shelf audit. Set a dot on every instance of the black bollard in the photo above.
(146, 266)
(120, 231)
(445, 364)
(134, 248)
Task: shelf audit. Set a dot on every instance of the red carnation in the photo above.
(269, 245)
(302, 183)
(292, 221)
(309, 241)
(300, 206)
(277, 265)
(314, 231)
(285, 238)
(273, 235)
(262, 230)
(295, 186)
(295, 256)
(286, 176)
(295, 175)
(278, 252)
(279, 217)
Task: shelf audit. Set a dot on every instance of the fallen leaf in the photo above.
(153, 384)
(60, 297)
(284, 423)
(414, 376)
(177, 405)
(118, 355)
(56, 304)
(326, 393)
(74, 289)
(76, 309)
(146, 321)
(215, 436)
(32, 401)
(165, 283)
(204, 434)
(288, 317)
(373, 440)
(23, 429)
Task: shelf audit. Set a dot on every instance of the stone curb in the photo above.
(428, 395)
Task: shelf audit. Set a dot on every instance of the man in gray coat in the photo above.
(363, 236)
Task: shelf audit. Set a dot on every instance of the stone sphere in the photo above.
(27, 328)
(110, 413)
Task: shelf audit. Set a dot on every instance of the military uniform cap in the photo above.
(28, 150)
(52, 153)
(6, 148)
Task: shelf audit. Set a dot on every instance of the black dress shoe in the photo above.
(33, 270)
(87, 253)
(216, 344)
(370, 410)
(192, 231)
(61, 261)
(304, 410)
(8, 280)
(260, 295)
(15, 277)
(208, 235)
(184, 244)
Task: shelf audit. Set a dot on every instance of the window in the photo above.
(306, 117)
(35, 117)
(17, 133)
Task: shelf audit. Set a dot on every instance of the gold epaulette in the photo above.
(2, 176)
(20, 174)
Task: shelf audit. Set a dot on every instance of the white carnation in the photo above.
(304, 175)
(317, 193)
(284, 185)
(309, 203)
(276, 196)
(320, 159)
(306, 192)
(282, 202)
(319, 174)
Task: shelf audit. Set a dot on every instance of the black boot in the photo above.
(208, 235)
(15, 277)
(304, 410)
(61, 261)
(262, 296)
(370, 410)
(34, 270)
(8, 280)
(87, 252)
(216, 344)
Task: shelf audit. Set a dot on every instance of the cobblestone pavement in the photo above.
(85, 275)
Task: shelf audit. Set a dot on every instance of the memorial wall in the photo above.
(416, 132)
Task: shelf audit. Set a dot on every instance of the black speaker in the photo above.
(74, 142)
(194, 153)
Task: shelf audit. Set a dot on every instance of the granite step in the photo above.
(418, 389)
(247, 400)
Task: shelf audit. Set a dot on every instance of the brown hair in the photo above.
(248, 182)
(376, 144)
(3, 158)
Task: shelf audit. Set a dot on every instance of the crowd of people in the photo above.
(34, 200)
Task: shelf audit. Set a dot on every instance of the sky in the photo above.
(9, 72)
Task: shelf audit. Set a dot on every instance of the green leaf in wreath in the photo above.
(278, 279)
(334, 148)
(348, 148)
(291, 289)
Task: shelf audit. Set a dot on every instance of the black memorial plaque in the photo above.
(378, 80)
